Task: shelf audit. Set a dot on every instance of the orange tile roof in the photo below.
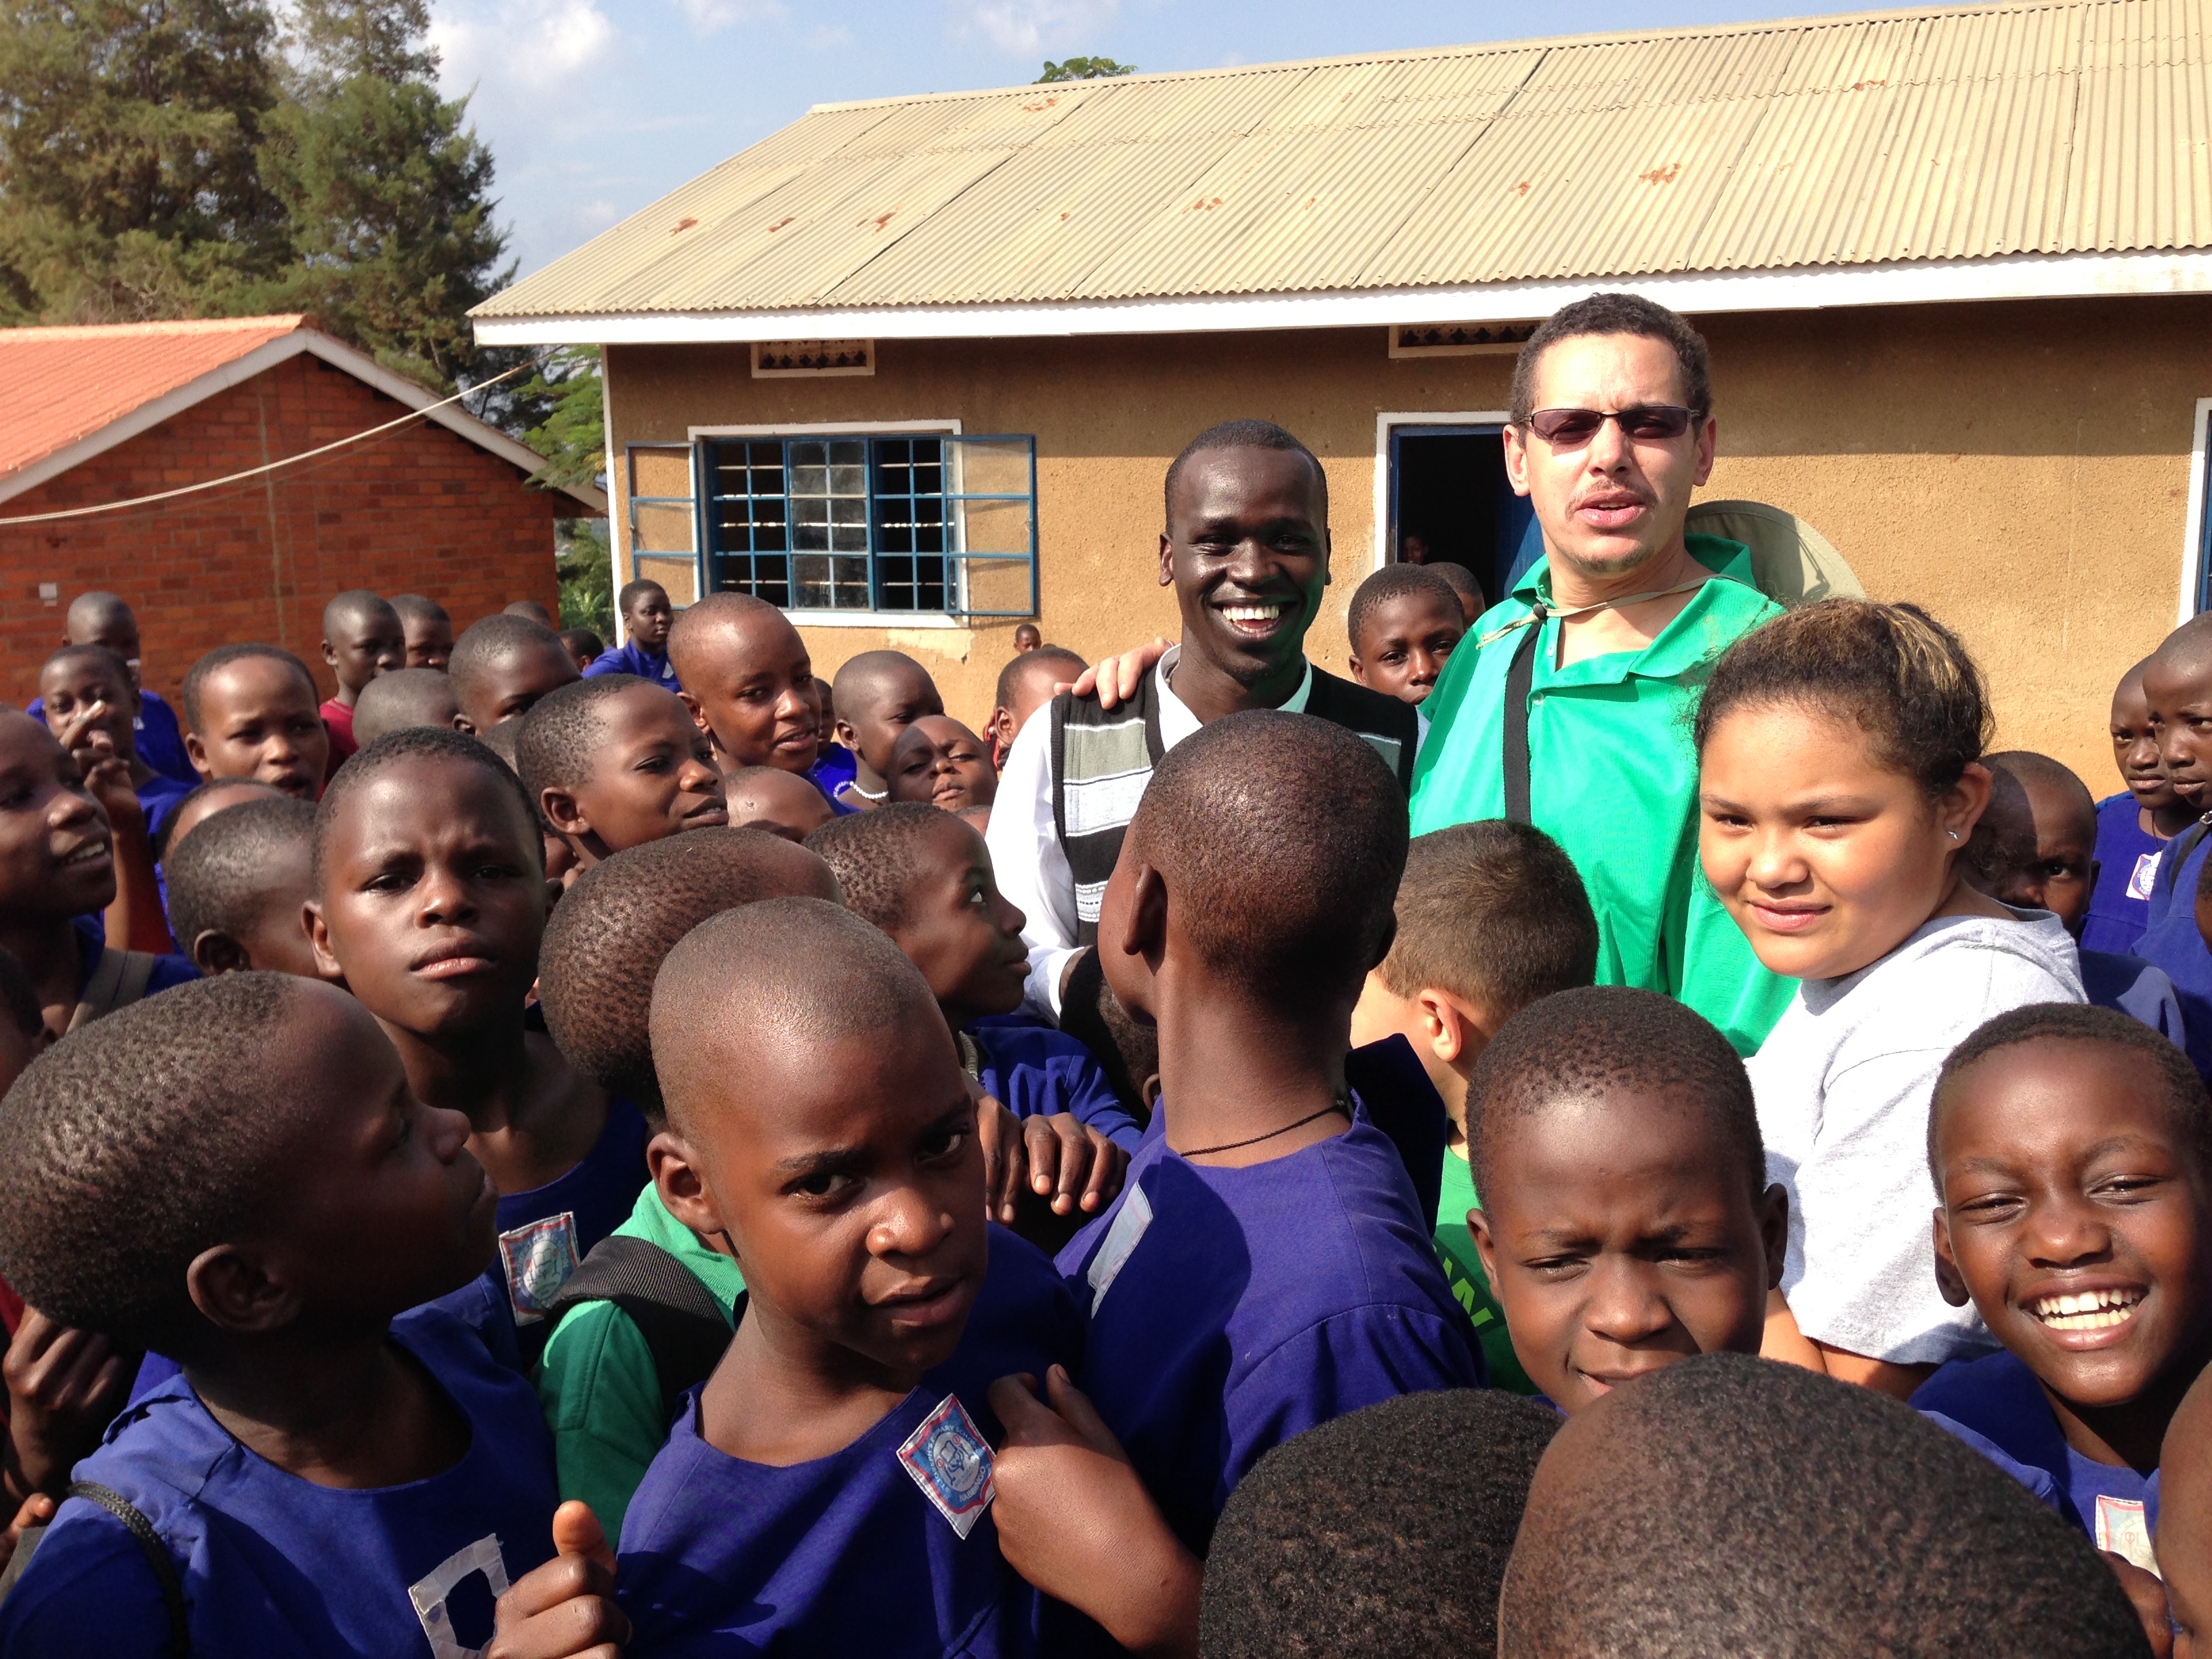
(65, 384)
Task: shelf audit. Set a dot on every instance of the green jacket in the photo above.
(1614, 780)
(601, 1395)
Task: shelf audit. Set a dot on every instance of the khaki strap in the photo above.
(119, 980)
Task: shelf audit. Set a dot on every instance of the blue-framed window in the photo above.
(889, 522)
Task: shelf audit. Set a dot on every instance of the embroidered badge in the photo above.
(537, 1260)
(2145, 876)
(429, 1594)
(1122, 1240)
(952, 1464)
(2122, 1529)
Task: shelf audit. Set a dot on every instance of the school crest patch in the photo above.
(951, 1461)
(2144, 876)
(2122, 1529)
(537, 1260)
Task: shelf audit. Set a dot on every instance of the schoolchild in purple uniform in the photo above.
(2134, 826)
(58, 873)
(237, 1173)
(238, 893)
(614, 763)
(429, 906)
(1266, 1267)
(87, 689)
(828, 1491)
(2177, 684)
(2034, 849)
(105, 619)
(2072, 1153)
(646, 617)
(876, 696)
(923, 875)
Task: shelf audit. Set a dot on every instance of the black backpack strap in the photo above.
(156, 1553)
(2177, 851)
(683, 1326)
(1520, 679)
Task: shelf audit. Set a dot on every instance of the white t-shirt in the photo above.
(1844, 1084)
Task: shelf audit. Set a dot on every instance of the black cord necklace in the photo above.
(1340, 1104)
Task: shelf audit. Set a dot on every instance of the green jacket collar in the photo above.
(1688, 643)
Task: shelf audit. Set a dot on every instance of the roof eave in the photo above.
(1805, 288)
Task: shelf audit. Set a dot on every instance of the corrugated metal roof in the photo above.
(1960, 133)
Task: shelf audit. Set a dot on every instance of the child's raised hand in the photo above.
(1075, 1521)
(566, 1609)
(63, 1386)
(1071, 1164)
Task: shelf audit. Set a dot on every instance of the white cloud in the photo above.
(1026, 28)
(529, 45)
(709, 16)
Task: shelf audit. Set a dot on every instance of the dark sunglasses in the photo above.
(1570, 428)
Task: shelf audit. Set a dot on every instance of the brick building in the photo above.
(438, 505)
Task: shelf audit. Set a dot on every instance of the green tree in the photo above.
(387, 191)
(1083, 68)
(572, 435)
(587, 581)
(129, 186)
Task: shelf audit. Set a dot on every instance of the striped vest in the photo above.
(1101, 761)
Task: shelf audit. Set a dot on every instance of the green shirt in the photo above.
(1612, 777)
(1469, 1284)
(601, 1395)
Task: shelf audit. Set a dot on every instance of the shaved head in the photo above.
(609, 935)
(352, 606)
(90, 613)
(753, 995)
(404, 697)
(718, 612)
(2187, 650)
(866, 675)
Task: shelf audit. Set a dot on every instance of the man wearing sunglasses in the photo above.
(1602, 647)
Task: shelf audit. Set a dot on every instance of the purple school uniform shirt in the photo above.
(1233, 1309)
(634, 658)
(2126, 854)
(1034, 1070)
(273, 1566)
(2171, 942)
(1998, 1398)
(544, 1233)
(2136, 989)
(885, 1548)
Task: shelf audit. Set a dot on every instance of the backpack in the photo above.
(118, 980)
(682, 1324)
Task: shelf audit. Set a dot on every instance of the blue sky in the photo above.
(594, 107)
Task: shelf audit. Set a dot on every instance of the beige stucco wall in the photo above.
(2019, 468)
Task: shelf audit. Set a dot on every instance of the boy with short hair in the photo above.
(586, 647)
(1383, 1535)
(1491, 917)
(939, 762)
(86, 689)
(924, 876)
(502, 665)
(1027, 639)
(613, 1367)
(1626, 1222)
(1026, 685)
(251, 712)
(430, 901)
(614, 762)
(402, 698)
(362, 637)
(829, 1489)
(2034, 848)
(1404, 624)
(876, 696)
(532, 610)
(237, 893)
(1731, 1505)
(101, 618)
(1472, 600)
(748, 682)
(2176, 682)
(1251, 896)
(430, 630)
(2134, 826)
(647, 616)
(2072, 1154)
(331, 1472)
(215, 795)
(782, 803)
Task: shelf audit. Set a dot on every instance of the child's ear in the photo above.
(1358, 670)
(1948, 1278)
(1774, 1231)
(195, 752)
(563, 812)
(329, 655)
(1962, 806)
(842, 731)
(1485, 1246)
(684, 1191)
(1455, 1031)
(690, 701)
(463, 724)
(1147, 932)
(318, 937)
(234, 1291)
(217, 952)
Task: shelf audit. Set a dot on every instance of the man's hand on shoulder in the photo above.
(1116, 679)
